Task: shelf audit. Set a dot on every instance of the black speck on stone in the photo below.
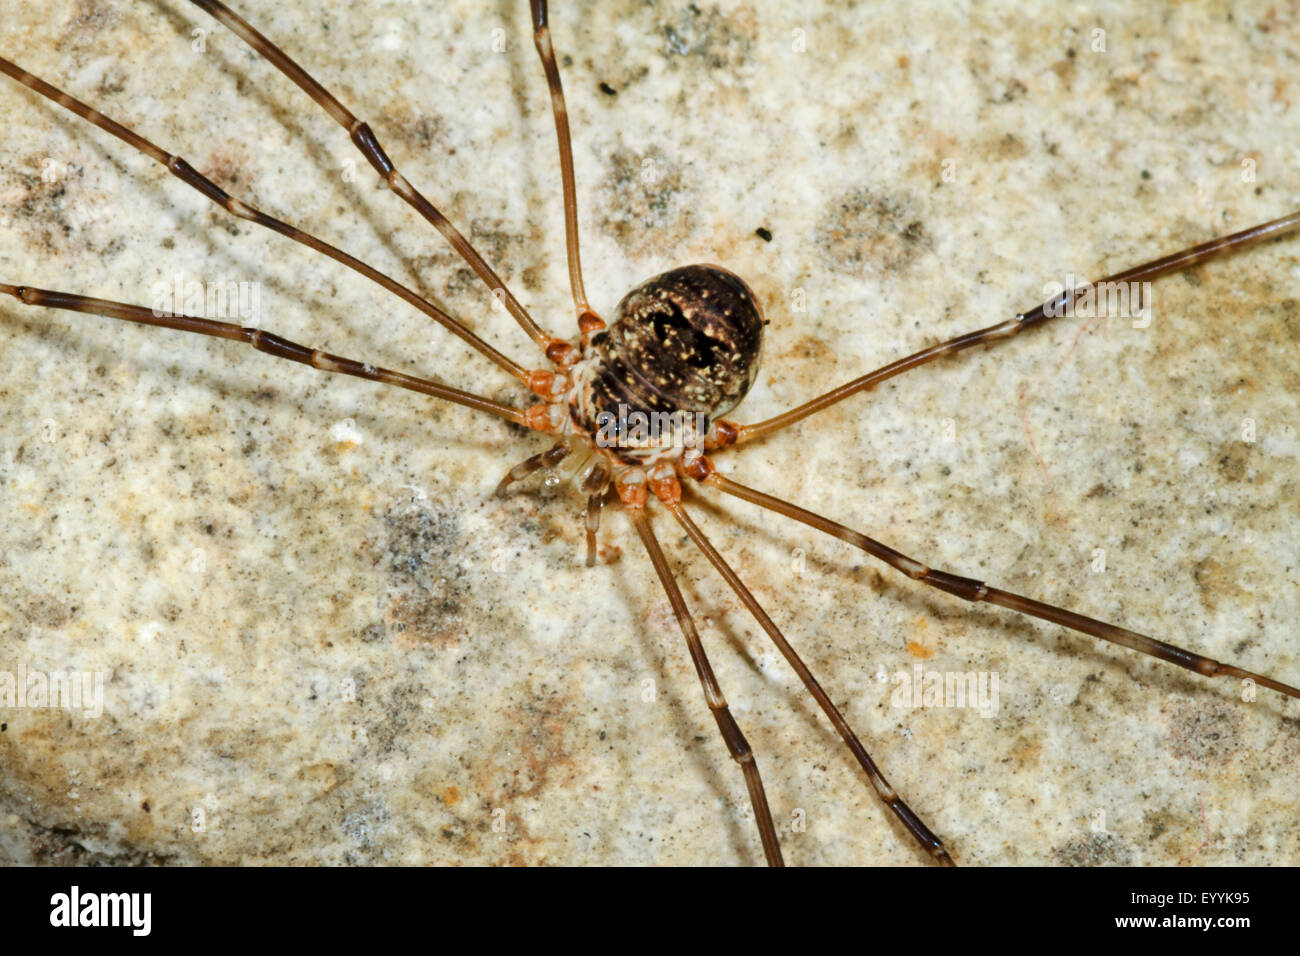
(763, 233)
(607, 89)
(1146, 174)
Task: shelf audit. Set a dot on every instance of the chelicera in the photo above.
(682, 350)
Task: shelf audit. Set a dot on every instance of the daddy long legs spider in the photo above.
(305, 547)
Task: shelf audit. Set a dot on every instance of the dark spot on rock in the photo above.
(866, 228)
(427, 131)
(1009, 146)
(417, 535)
(608, 90)
(422, 550)
(1095, 849)
(647, 209)
(1014, 90)
(764, 234)
(1156, 823)
(721, 41)
(1209, 732)
(1232, 461)
(45, 610)
(388, 721)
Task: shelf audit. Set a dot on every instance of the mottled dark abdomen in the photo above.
(687, 340)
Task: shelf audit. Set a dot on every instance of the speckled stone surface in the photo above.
(317, 629)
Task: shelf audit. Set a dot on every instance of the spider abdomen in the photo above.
(683, 346)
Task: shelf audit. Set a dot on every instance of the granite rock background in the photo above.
(323, 640)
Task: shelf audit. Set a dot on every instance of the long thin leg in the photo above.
(972, 590)
(365, 141)
(932, 844)
(1178, 261)
(542, 40)
(186, 173)
(262, 341)
(737, 745)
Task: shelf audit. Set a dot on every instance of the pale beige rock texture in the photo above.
(237, 542)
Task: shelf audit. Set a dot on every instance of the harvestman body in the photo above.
(683, 349)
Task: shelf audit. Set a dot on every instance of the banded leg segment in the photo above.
(267, 342)
(1059, 305)
(970, 589)
(736, 743)
(187, 174)
(368, 145)
(923, 835)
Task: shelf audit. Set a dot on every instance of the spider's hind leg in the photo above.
(732, 736)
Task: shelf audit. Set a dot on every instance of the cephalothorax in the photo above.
(647, 389)
(681, 351)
